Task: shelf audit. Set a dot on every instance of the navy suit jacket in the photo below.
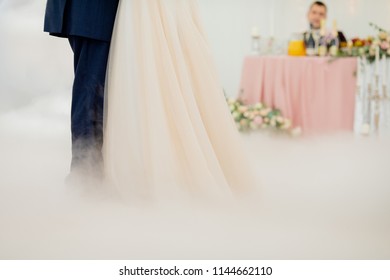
(86, 18)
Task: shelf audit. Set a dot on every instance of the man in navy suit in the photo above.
(88, 25)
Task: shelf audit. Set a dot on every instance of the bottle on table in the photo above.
(334, 44)
(323, 44)
(311, 44)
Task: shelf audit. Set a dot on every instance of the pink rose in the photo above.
(385, 45)
(258, 120)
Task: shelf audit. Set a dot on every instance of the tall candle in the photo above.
(323, 27)
(384, 71)
(255, 32)
(377, 60)
(359, 72)
(364, 72)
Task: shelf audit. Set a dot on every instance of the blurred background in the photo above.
(25, 49)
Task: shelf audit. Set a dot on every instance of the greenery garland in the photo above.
(358, 47)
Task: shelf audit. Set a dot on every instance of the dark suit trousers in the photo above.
(90, 63)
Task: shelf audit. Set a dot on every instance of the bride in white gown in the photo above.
(167, 125)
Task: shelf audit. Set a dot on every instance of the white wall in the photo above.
(31, 61)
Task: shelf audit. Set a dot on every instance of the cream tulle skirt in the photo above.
(168, 128)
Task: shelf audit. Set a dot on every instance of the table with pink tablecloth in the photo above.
(317, 94)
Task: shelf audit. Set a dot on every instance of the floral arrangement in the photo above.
(257, 116)
(367, 47)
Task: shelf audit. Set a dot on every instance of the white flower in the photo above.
(296, 131)
(242, 109)
(244, 123)
(375, 43)
(258, 106)
(383, 35)
(287, 124)
(236, 115)
(231, 100)
(372, 51)
(254, 126)
(365, 130)
(265, 112)
(362, 51)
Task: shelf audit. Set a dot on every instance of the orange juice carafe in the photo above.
(296, 46)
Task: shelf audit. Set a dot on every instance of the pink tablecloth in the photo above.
(317, 94)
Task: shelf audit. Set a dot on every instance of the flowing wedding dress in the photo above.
(167, 124)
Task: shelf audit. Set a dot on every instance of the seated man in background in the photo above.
(318, 11)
